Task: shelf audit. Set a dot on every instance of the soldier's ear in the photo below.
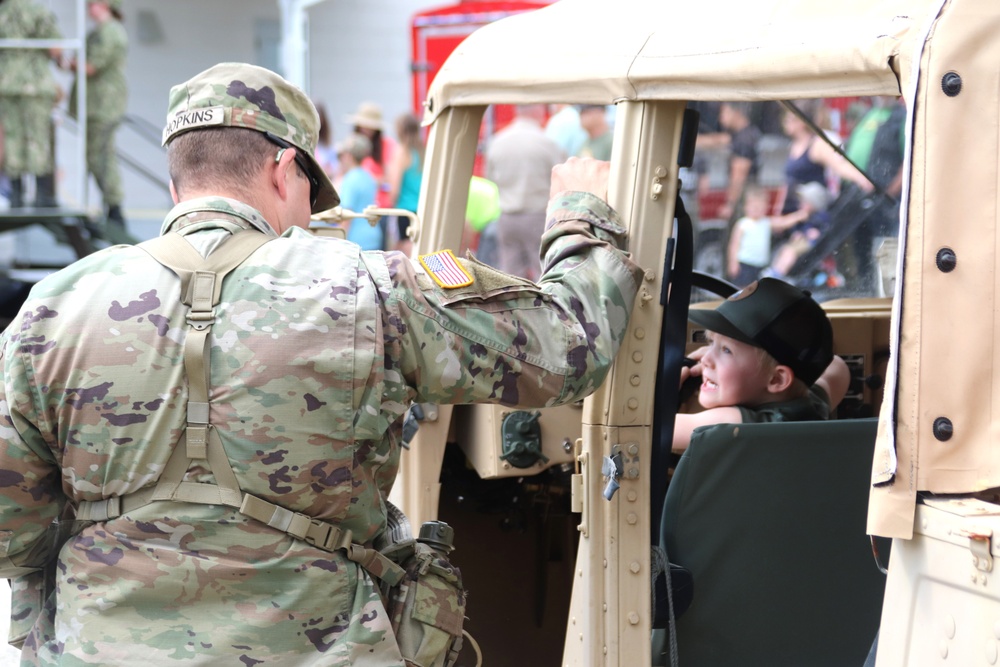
(283, 169)
(173, 193)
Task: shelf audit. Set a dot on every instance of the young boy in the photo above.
(770, 358)
(358, 190)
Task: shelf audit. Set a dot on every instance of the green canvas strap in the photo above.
(201, 285)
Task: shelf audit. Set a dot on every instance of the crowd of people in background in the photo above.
(370, 168)
(770, 223)
(373, 166)
(830, 153)
(768, 226)
(839, 184)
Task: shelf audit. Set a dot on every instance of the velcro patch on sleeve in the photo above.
(444, 269)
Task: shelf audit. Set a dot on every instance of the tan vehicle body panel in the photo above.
(594, 51)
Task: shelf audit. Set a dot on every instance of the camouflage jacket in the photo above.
(107, 90)
(318, 350)
(26, 71)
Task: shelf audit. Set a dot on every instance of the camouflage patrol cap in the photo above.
(247, 96)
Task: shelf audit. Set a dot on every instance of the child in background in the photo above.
(358, 190)
(808, 224)
(481, 212)
(750, 241)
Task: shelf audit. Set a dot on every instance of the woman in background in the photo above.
(326, 152)
(367, 120)
(405, 173)
(810, 160)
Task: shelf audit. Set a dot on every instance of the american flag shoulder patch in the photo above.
(445, 270)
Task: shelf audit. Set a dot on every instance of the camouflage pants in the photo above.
(102, 159)
(27, 126)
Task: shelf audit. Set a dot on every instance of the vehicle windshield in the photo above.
(805, 190)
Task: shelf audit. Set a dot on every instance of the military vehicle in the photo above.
(572, 498)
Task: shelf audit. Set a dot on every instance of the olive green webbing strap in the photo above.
(200, 289)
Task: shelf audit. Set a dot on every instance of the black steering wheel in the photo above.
(713, 284)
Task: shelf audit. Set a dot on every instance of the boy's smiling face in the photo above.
(734, 373)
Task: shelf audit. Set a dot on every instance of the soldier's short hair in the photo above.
(223, 158)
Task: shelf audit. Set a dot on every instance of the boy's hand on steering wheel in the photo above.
(692, 365)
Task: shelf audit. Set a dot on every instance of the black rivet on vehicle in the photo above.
(946, 260)
(951, 84)
(943, 429)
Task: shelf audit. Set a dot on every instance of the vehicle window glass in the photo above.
(769, 196)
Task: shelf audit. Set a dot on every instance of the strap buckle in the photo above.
(99, 510)
(313, 532)
(326, 536)
(201, 319)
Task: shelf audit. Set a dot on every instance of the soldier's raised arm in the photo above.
(468, 333)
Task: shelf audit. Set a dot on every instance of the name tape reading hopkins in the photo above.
(185, 120)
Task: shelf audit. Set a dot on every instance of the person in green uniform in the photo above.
(28, 91)
(107, 92)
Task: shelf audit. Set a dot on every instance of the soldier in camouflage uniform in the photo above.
(28, 92)
(316, 351)
(107, 93)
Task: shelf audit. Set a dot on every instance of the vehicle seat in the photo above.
(771, 520)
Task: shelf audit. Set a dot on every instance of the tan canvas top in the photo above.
(600, 51)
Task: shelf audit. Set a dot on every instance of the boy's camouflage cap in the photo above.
(242, 95)
(780, 318)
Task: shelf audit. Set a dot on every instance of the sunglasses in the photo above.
(303, 165)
